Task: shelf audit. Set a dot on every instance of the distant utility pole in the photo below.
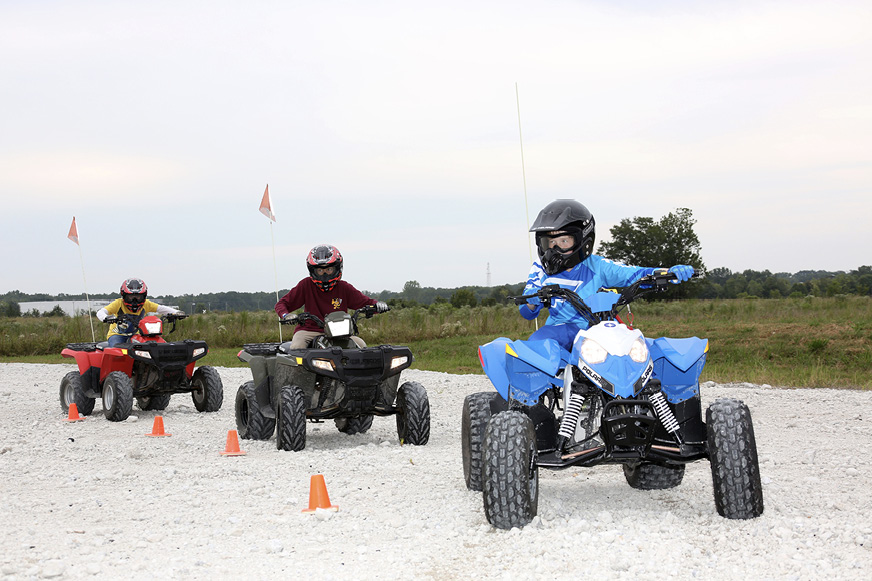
(488, 275)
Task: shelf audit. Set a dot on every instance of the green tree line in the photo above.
(718, 283)
(641, 241)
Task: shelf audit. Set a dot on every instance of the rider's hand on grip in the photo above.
(110, 319)
(682, 273)
(382, 307)
(290, 319)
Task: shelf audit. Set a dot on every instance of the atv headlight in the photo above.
(325, 364)
(639, 351)
(397, 361)
(199, 351)
(339, 328)
(145, 354)
(593, 352)
(153, 328)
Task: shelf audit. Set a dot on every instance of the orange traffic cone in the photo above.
(318, 497)
(157, 431)
(232, 448)
(73, 414)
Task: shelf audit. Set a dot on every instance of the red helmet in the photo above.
(133, 293)
(325, 266)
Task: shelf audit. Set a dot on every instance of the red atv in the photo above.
(147, 368)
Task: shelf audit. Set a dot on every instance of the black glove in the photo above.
(382, 307)
(110, 319)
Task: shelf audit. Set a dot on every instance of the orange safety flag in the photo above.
(74, 232)
(265, 206)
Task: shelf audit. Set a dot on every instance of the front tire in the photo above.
(476, 415)
(647, 476)
(208, 394)
(733, 455)
(413, 417)
(510, 476)
(291, 424)
(72, 392)
(356, 425)
(117, 396)
(251, 424)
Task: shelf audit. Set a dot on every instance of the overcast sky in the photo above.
(390, 129)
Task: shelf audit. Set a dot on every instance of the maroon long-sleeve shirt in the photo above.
(320, 303)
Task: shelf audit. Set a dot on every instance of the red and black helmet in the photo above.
(325, 266)
(133, 293)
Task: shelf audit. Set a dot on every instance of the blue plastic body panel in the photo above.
(532, 372)
(678, 364)
(602, 302)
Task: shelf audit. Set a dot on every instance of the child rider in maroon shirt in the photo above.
(321, 293)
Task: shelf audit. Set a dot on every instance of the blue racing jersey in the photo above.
(584, 279)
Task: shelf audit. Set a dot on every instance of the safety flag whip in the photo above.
(524, 176)
(266, 210)
(74, 236)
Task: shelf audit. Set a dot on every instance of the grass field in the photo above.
(807, 342)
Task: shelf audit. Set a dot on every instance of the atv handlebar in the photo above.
(655, 282)
(367, 311)
(169, 317)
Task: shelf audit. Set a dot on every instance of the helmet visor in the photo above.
(322, 271)
(561, 241)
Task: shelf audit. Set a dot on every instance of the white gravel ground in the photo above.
(97, 499)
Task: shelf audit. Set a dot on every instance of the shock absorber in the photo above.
(667, 418)
(569, 421)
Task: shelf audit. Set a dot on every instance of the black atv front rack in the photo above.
(261, 348)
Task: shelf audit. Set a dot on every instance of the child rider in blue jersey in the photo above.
(564, 240)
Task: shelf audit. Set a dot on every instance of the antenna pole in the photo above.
(524, 176)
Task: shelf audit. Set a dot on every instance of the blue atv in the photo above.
(616, 398)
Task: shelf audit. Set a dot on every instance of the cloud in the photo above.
(95, 176)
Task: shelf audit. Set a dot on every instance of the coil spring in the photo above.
(570, 417)
(667, 418)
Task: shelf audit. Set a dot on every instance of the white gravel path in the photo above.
(97, 499)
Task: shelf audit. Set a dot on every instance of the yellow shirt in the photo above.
(118, 307)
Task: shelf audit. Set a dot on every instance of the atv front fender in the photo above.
(522, 370)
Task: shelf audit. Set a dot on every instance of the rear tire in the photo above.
(357, 425)
(208, 394)
(413, 417)
(476, 415)
(251, 424)
(72, 392)
(117, 396)
(510, 476)
(291, 424)
(153, 402)
(647, 476)
(733, 455)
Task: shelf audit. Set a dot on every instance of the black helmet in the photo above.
(325, 256)
(563, 218)
(133, 293)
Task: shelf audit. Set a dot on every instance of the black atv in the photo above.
(333, 379)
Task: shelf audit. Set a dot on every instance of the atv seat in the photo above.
(285, 347)
(102, 345)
